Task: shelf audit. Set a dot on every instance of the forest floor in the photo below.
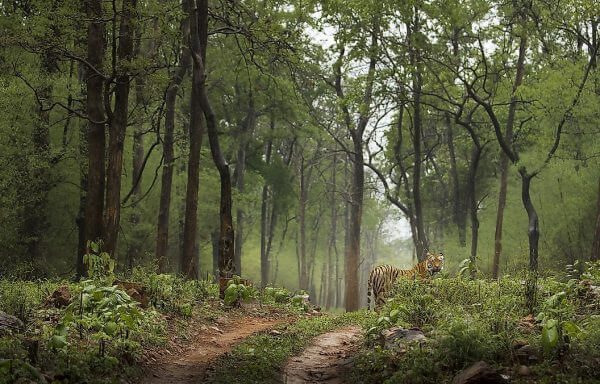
(326, 360)
(189, 361)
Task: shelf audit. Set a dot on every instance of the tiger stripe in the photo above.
(383, 277)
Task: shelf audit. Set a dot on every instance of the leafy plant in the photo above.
(467, 268)
(237, 292)
(104, 311)
(99, 264)
(556, 328)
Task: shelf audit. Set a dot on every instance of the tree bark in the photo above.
(473, 204)
(533, 231)
(199, 33)
(332, 246)
(264, 255)
(508, 137)
(246, 127)
(94, 201)
(595, 255)
(162, 230)
(117, 128)
(189, 258)
(352, 299)
(303, 198)
(417, 80)
(459, 209)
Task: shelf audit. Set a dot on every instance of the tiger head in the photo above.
(435, 262)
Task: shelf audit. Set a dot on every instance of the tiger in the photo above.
(383, 277)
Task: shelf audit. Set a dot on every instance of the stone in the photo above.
(524, 370)
(527, 354)
(399, 338)
(9, 323)
(479, 373)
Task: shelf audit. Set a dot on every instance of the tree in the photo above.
(176, 79)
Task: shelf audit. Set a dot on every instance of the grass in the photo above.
(470, 320)
(259, 358)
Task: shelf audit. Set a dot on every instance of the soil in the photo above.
(190, 364)
(326, 360)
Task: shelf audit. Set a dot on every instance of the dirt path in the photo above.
(326, 359)
(209, 343)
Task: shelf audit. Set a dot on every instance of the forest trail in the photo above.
(209, 343)
(326, 359)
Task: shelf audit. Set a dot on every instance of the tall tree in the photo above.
(198, 28)
(118, 123)
(356, 132)
(185, 60)
(95, 81)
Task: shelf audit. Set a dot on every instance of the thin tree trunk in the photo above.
(199, 33)
(189, 258)
(533, 232)
(303, 197)
(473, 205)
(264, 256)
(117, 128)
(595, 255)
(331, 277)
(246, 128)
(508, 137)
(459, 209)
(162, 232)
(94, 202)
(417, 80)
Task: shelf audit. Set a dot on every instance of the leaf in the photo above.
(550, 335)
(571, 328)
(58, 342)
(110, 328)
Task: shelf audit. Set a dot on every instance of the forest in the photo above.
(202, 191)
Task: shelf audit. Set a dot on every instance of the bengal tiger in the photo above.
(382, 278)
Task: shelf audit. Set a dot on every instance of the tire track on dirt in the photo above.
(326, 360)
(208, 345)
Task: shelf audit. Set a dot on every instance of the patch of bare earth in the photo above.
(189, 363)
(326, 360)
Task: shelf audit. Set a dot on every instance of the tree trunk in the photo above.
(94, 202)
(473, 205)
(189, 258)
(214, 239)
(199, 33)
(117, 128)
(246, 128)
(331, 277)
(459, 209)
(533, 232)
(303, 197)
(352, 301)
(508, 137)
(595, 255)
(417, 80)
(162, 231)
(264, 255)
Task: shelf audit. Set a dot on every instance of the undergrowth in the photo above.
(466, 321)
(259, 358)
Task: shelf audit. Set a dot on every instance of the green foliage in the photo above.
(99, 265)
(170, 293)
(237, 292)
(103, 312)
(478, 320)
